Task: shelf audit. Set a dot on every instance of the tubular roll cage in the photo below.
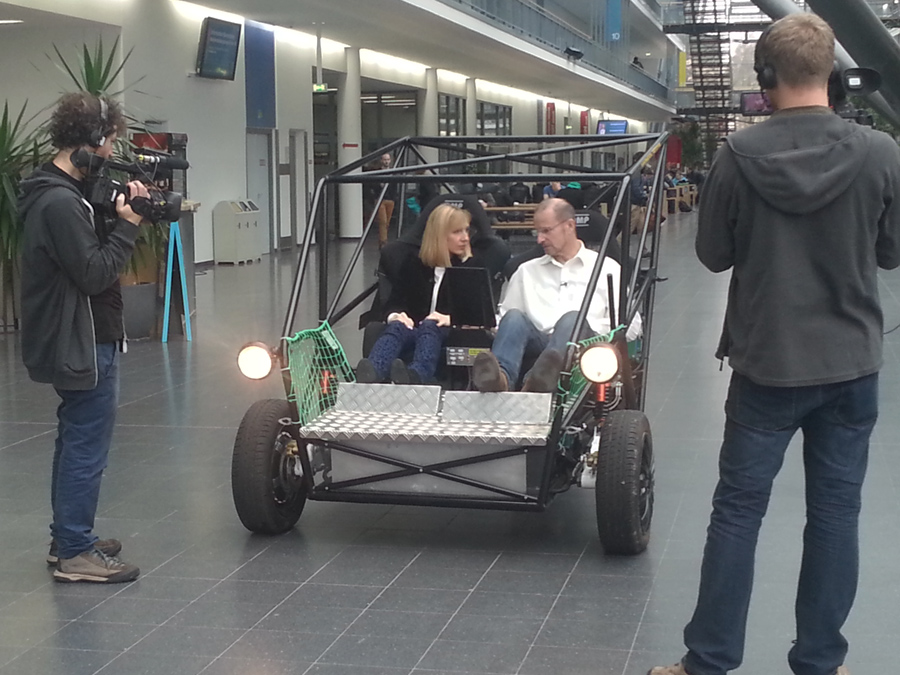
(636, 292)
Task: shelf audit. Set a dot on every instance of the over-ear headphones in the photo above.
(765, 72)
(98, 136)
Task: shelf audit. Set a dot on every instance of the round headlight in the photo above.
(255, 360)
(599, 363)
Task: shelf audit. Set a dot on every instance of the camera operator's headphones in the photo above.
(765, 72)
(98, 136)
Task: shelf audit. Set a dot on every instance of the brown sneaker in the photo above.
(487, 375)
(110, 547)
(676, 669)
(94, 566)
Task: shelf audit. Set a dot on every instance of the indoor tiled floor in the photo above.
(397, 590)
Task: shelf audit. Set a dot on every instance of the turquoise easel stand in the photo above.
(176, 248)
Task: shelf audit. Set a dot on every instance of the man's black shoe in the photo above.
(545, 373)
(487, 375)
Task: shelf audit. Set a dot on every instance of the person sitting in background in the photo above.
(679, 178)
(541, 303)
(413, 313)
(550, 191)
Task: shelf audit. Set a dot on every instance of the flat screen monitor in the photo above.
(605, 127)
(218, 51)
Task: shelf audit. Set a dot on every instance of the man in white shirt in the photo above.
(540, 305)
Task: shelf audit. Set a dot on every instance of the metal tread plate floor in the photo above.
(338, 425)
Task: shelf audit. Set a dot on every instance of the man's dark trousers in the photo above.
(86, 421)
(837, 421)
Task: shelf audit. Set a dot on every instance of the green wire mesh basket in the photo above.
(317, 363)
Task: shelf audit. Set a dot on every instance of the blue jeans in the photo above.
(84, 434)
(837, 420)
(424, 342)
(518, 336)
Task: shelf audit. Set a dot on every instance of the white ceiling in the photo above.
(402, 29)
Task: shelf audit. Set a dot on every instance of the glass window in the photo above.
(451, 115)
(494, 119)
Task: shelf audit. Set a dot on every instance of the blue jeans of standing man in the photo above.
(84, 434)
(836, 420)
(517, 335)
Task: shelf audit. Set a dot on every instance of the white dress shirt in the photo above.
(545, 289)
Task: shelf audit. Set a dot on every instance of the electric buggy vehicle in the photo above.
(333, 439)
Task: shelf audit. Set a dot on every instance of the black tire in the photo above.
(268, 497)
(624, 487)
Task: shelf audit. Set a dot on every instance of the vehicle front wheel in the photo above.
(266, 477)
(624, 488)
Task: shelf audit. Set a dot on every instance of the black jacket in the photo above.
(63, 264)
(805, 208)
(413, 287)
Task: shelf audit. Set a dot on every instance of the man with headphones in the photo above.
(803, 208)
(72, 326)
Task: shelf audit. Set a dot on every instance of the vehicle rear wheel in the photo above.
(624, 489)
(266, 479)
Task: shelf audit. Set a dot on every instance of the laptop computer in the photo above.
(470, 297)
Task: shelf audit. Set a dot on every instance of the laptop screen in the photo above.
(470, 297)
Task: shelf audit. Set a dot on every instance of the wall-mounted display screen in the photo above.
(218, 51)
(612, 127)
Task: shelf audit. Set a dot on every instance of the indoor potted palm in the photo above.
(22, 148)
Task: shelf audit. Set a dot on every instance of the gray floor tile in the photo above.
(155, 664)
(41, 660)
(95, 636)
(507, 604)
(387, 623)
(554, 660)
(387, 652)
(278, 645)
(473, 628)
(231, 666)
(485, 657)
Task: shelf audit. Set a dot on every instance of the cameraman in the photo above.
(72, 327)
(803, 208)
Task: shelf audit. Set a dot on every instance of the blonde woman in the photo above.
(415, 323)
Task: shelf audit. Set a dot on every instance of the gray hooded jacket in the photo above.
(63, 264)
(804, 207)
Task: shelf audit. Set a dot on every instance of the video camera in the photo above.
(149, 166)
(841, 85)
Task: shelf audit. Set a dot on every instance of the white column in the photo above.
(471, 107)
(428, 113)
(349, 144)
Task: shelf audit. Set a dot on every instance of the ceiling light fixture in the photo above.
(7, 22)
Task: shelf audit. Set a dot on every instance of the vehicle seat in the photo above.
(591, 227)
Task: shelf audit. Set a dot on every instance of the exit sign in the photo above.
(319, 88)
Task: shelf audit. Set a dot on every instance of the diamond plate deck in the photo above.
(388, 398)
(511, 408)
(339, 425)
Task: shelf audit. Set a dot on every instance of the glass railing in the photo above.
(530, 21)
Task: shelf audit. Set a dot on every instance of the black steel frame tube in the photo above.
(300, 273)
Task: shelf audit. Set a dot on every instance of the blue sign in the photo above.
(613, 20)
